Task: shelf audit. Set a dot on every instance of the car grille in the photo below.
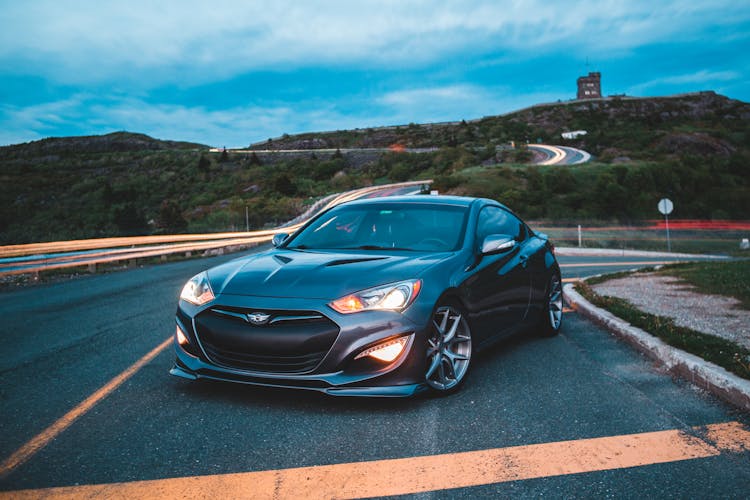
(283, 342)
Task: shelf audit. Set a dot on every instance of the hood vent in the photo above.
(342, 262)
(282, 259)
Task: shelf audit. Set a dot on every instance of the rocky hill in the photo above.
(620, 126)
(109, 143)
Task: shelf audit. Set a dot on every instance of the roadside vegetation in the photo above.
(731, 279)
(730, 356)
(693, 149)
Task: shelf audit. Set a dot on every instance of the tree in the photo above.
(204, 166)
(400, 172)
(129, 219)
(170, 219)
(107, 193)
(523, 155)
(284, 185)
(490, 152)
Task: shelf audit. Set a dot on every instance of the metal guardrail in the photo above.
(35, 257)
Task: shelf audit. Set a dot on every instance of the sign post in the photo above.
(665, 207)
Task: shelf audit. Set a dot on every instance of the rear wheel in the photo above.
(551, 317)
(448, 350)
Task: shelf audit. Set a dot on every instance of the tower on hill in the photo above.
(590, 87)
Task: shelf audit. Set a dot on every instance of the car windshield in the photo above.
(394, 226)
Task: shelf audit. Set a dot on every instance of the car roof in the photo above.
(463, 201)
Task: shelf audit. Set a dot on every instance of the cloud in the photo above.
(232, 72)
(87, 114)
(434, 103)
(456, 102)
(706, 78)
(21, 124)
(142, 44)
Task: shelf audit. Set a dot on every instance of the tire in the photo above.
(449, 350)
(551, 317)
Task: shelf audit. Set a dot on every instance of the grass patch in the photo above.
(731, 279)
(724, 353)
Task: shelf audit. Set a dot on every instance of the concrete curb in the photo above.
(700, 372)
(611, 252)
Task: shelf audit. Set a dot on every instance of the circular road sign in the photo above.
(665, 206)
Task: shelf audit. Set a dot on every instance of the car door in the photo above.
(499, 289)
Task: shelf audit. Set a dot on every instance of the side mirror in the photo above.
(496, 243)
(278, 239)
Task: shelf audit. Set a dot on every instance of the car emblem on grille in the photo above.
(258, 318)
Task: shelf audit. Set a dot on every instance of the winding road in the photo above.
(560, 155)
(547, 154)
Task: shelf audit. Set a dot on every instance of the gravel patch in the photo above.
(674, 298)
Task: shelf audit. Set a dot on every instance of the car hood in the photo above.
(317, 274)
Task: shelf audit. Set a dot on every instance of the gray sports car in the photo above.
(379, 297)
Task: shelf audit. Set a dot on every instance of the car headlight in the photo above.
(198, 290)
(393, 297)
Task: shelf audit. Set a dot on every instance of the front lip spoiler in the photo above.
(178, 371)
(391, 391)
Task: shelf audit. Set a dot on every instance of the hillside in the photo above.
(108, 143)
(693, 148)
(645, 128)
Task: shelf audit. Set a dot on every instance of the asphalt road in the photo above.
(590, 265)
(560, 155)
(574, 156)
(63, 341)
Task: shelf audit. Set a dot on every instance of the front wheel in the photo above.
(551, 317)
(448, 350)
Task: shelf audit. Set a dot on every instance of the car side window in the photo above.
(495, 220)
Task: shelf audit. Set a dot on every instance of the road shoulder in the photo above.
(709, 376)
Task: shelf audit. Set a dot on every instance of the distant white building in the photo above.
(573, 134)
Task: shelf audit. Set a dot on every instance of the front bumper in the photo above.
(337, 374)
(407, 390)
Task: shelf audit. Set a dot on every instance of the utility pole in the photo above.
(247, 219)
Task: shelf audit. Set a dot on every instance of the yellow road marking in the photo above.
(43, 439)
(430, 473)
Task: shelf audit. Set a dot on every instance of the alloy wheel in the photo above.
(448, 349)
(555, 303)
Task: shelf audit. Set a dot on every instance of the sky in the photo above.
(232, 73)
